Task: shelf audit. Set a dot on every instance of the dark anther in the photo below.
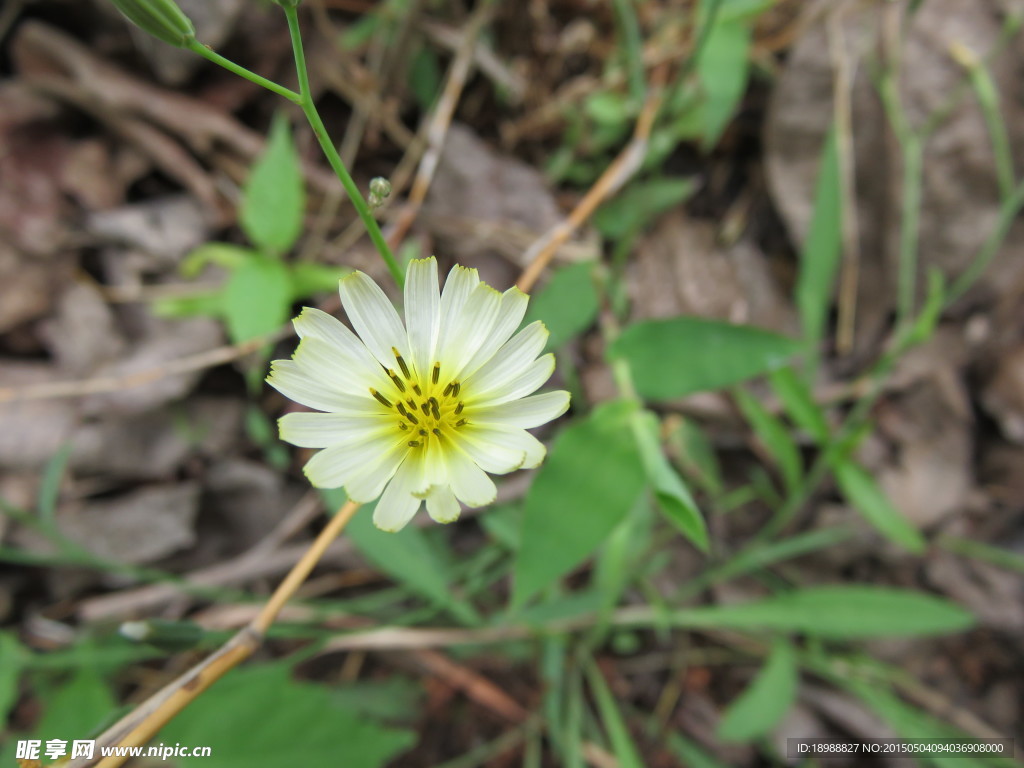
(398, 381)
(436, 374)
(415, 443)
(460, 422)
(401, 363)
(380, 398)
(459, 407)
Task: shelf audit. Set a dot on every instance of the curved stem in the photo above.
(309, 109)
(208, 53)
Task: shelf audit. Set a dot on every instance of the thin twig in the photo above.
(437, 129)
(188, 364)
(141, 724)
(539, 255)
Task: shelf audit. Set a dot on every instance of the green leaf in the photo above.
(425, 77)
(774, 437)
(911, 723)
(799, 403)
(223, 255)
(819, 258)
(201, 304)
(861, 490)
(274, 199)
(257, 299)
(49, 486)
(626, 753)
(838, 612)
(687, 751)
(675, 357)
(589, 482)
(697, 456)
(639, 204)
(10, 672)
(406, 556)
(670, 491)
(567, 303)
(258, 717)
(765, 702)
(308, 277)
(723, 67)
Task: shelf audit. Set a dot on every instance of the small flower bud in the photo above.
(380, 188)
(160, 18)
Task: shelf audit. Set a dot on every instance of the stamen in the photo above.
(402, 425)
(425, 407)
(449, 388)
(436, 431)
(401, 363)
(460, 422)
(409, 416)
(415, 443)
(456, 387)
(416, 389)
(412, 403)
(380, 398)
(398, 381)
(436, 374)
(459, 407)
(424, 432)
(434, 408)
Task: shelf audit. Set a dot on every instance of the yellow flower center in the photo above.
(425, 408)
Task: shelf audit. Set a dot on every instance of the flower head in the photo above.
(420, 411)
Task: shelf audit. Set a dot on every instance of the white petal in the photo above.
(422, 310)
(510, 315)
(322, 430)
(313, 323)
(469, 331)
(525, 383)
(373, 317)
(313, 392)
(526, 413)
(490, 456)
(322, 361)
(442, 504)
(332, 467)
(458, 287)
(365, 483)
(470, 484)
(508, 362)
(397, 506)
(494, 440)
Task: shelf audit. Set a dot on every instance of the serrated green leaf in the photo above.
(589, 482)
(861, 490)
(774, 437)
(683, 355)
(258, 717)
(838, 612)
(760, 707)
(274, 198)
(567, 304)
(257, 299)
(639, 204)
(670, 491)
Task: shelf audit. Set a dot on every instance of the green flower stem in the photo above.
(309, 109)
(207, 53)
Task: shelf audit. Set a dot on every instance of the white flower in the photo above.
(422, 411)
